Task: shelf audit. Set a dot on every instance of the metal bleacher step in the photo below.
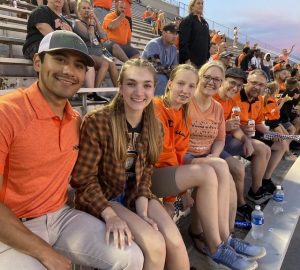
(279, 229)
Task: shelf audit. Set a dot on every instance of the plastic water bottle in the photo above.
(257, 221)
(278, 199)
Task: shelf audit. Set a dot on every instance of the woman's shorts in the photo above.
(163, 182)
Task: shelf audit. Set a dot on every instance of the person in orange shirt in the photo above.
(39, 139)
(172, 177)
(280, 75)
(128, 4)
(284, 56)
(242, 55)
(102, 8)
(118, 32)
(237, 143)
(221, 48)
(147, 15)
(218, 38)
(251, 105)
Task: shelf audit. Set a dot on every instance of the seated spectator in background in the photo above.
(154, 20)
(272, 107)
(251, 106)
(267, 65)
(90, 30)
(102, 8)
(242, 55)
(235, 36)
(160, 23)
(281, 74)
(212, 50)
(218, 38)
(172, 178)
(69, 7)
(118, 32)
(256, 60)
(290, 119)
(237, 143)
(194, 36)
(147, 15)
(295, 73)
(225, 59)
(246, 62)
(162, 53)
(38, 149)
(119, 145)
(284, 56)
(177, 21)
(43, 20)
(221, 48)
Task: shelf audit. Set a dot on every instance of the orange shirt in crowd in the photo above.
(37, 153)
(282, 87)
(240, 59)
(250, 110)
(103, 3)
(127, 8)
(147, 13)
(216, 56)
(227, 105)
(176, 135)
(217, 39)
(206, 127)
(121, 34)
(271, 109)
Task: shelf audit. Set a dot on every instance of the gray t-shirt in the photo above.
(167, 54)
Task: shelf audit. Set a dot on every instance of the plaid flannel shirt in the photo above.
(98, 176)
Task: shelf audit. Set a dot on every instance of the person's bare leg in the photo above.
(259, 162)
(113, 72)
(205, 213)
(119, 53)
(237, 171)
(90, 78)
(150, 241)
(102, 70)
(176, 257)
(223, 175)
(278, 149)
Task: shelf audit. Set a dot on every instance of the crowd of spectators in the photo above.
(179, 146)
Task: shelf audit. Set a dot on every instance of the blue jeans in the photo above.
(161, 83)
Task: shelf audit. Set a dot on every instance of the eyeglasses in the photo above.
(216, 81)
(258, 84)
(234, 84)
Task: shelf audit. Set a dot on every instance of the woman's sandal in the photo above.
(196, 238)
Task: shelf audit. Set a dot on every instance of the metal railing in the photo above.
(243, 37)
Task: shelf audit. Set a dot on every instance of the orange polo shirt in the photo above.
(103, 3)
(227, 105)
(250, 110)
(121, 34)
(37, 152)
(271, 111)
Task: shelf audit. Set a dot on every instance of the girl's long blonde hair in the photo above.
(118, 119)
(166, 96)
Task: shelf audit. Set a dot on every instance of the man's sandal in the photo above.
(196, 238)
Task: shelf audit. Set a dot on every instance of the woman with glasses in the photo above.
(172, 178)
(207, 138)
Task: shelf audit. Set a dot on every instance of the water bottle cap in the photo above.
(257, 207)
(278, 187)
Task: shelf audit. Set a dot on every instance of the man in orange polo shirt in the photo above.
(102, 8)
(251, 105)
(237, 143)
(39, 137)
(118, 31)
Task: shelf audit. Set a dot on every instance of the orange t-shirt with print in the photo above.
(121, 34)
(38, 151)
(206, 127)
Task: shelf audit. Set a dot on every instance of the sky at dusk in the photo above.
(274, 22)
